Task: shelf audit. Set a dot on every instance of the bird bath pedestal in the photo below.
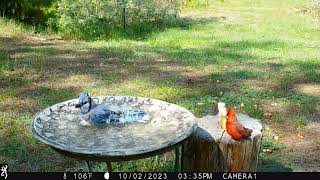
(167, 125)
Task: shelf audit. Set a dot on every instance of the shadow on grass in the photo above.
(26, 63)
(230, 52)
(144, 30)
(272, 166)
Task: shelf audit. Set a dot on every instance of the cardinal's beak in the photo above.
(78, 105)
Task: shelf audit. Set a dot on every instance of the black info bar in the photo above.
(161, 175)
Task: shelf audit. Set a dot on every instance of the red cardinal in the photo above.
(236, 130)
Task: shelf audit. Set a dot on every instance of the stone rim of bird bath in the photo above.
(167, 125)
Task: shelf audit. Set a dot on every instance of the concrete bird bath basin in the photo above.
(165, 126)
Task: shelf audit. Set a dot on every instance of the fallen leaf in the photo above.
(267, 114)
(267, 151)
(301, 135)
(274, 104)
(199, 103)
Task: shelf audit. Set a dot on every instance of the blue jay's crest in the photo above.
(85, 103)
(84, 97)
(101, 114)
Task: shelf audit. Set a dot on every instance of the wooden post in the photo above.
(207, 151)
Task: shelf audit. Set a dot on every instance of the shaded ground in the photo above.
(264, 61)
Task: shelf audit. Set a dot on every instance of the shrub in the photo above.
(31, 11)
(96, 18)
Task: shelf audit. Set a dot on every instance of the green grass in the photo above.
(246, 52)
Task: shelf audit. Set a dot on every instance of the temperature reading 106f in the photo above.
(82, 176)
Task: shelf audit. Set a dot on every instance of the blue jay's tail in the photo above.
(132, 116)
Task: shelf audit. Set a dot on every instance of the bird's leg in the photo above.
(109, 166)
(221, 135)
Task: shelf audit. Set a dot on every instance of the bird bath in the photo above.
(166, 125)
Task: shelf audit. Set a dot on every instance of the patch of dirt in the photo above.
(311, 89)
(301, 146)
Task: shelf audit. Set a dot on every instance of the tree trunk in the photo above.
(208, 150)
(123, 14)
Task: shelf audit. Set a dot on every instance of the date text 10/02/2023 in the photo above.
(186, 176)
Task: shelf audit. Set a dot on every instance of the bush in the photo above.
(31, 11)
(98, 18)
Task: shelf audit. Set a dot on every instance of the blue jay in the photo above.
(100, 114)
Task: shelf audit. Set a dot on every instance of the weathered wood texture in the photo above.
(207, 151)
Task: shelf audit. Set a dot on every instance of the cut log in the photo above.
(209, 150)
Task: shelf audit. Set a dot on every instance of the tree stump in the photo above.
(208, 150)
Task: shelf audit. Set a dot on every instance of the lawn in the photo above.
(261, 57)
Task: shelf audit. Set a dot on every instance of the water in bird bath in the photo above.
(163, 123)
